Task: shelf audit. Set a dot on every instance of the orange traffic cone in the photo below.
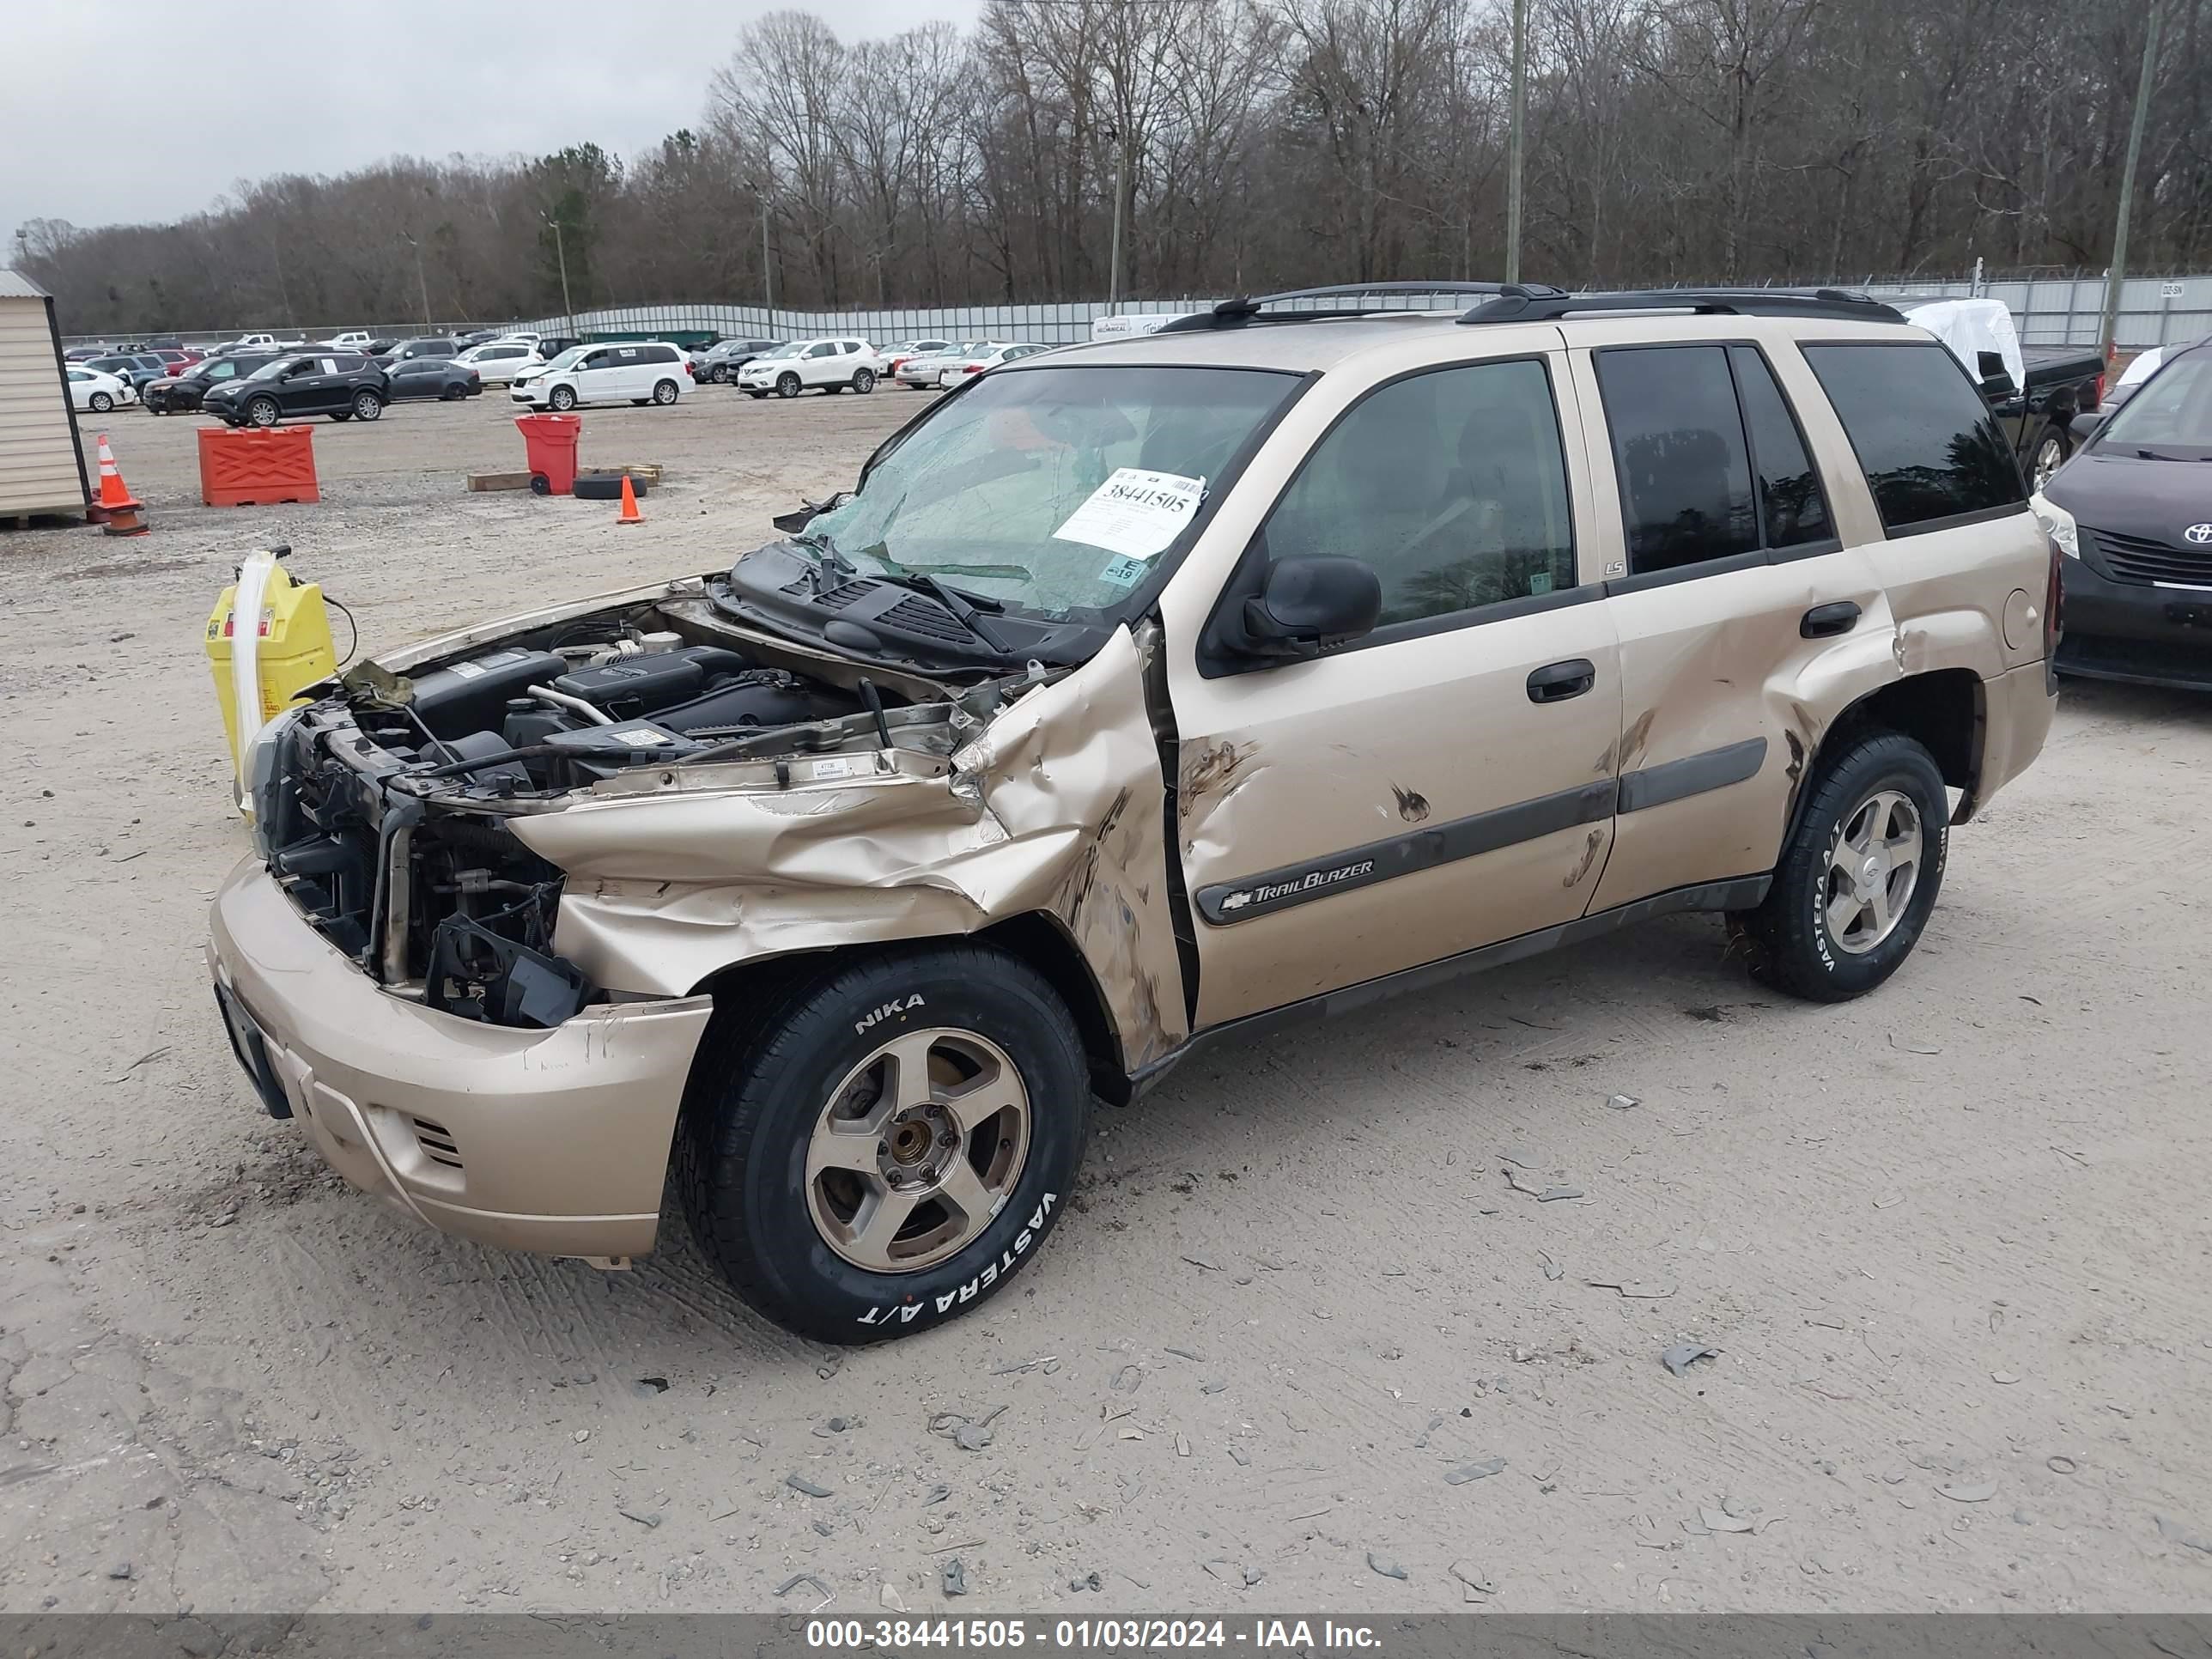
(117, 509)
(629, 514)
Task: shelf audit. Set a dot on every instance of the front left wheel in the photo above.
(101, 403)
(891, 1142)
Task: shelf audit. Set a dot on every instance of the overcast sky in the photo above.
(147, 110)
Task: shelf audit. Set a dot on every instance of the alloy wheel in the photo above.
(1872, 872)
(917, 1149)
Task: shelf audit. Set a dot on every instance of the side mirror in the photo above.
(2084, 426)
(1309, 604)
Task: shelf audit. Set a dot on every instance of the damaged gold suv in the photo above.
(1136, 696)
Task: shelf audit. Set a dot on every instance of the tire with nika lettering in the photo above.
(888, 1141)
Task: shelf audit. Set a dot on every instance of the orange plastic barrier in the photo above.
(254, 467)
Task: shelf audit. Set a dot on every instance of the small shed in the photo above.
(41, 454)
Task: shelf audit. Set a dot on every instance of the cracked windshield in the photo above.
(1052, 490)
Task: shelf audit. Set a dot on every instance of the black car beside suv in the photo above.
(2132, 512)
(180, 394)
(342, 385)
(432, 377)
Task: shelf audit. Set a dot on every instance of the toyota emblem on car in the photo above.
(2197, 534)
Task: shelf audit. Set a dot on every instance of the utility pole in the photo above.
(1121, 194)
(561, 253)
(2118, 274)
(1519, 120)
(421, 283)
(768, 265)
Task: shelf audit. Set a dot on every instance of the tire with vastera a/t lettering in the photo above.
(886, 1141)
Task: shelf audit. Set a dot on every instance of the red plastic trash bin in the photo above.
(550, 442)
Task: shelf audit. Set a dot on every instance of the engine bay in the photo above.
(385, 807)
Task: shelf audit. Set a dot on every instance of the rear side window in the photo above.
(660, 355)
(1929, 447)
(1451, 485)
(1791, 509)
(1679, 446)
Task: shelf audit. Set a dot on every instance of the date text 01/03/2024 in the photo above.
(1258, 1635)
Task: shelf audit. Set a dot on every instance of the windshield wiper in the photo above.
(827, 561)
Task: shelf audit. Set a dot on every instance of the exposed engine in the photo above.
(385, 809)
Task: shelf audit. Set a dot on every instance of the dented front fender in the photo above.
(1056, 807)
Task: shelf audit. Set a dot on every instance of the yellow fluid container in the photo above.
(292, 648)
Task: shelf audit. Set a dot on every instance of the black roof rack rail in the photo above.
(1235, 313)
(1534, 303)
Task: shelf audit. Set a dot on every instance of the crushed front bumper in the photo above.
(555, 1140)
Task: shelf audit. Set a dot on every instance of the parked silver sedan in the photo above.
(925, 373)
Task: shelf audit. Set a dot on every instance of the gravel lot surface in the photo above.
(1950, 1241)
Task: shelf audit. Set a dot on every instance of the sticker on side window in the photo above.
(1134, 513)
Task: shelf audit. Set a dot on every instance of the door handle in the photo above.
(1557, 682)
(1825, 621)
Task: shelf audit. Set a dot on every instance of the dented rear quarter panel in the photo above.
(1055, 807)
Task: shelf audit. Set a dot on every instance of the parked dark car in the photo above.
(551, 346)
(721, 361)
(180, 394)
(137, 368)
(432, 377)
(2133, 512)
(342, 385)
(438, 346)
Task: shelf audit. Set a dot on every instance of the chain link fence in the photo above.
(2048, 311)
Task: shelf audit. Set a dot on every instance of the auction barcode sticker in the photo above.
(1135, 512)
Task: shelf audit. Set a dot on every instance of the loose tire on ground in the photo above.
(1843, 914)
(820, 1067)
(606, 490)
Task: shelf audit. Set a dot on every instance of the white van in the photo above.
(634, 371)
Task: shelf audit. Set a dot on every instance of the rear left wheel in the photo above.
(864, 381)
(368, 406)
(888, 1145)
(1859, 877)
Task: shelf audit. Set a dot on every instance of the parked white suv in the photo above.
(635, 371)
(829, 365)
(500, 361)
(353, 339)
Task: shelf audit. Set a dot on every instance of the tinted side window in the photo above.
(1677, 444)
(660, 355)
(1929, 446)
(1791, 508)
(1451, 484)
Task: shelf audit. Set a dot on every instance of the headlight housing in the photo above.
(2057, 524)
